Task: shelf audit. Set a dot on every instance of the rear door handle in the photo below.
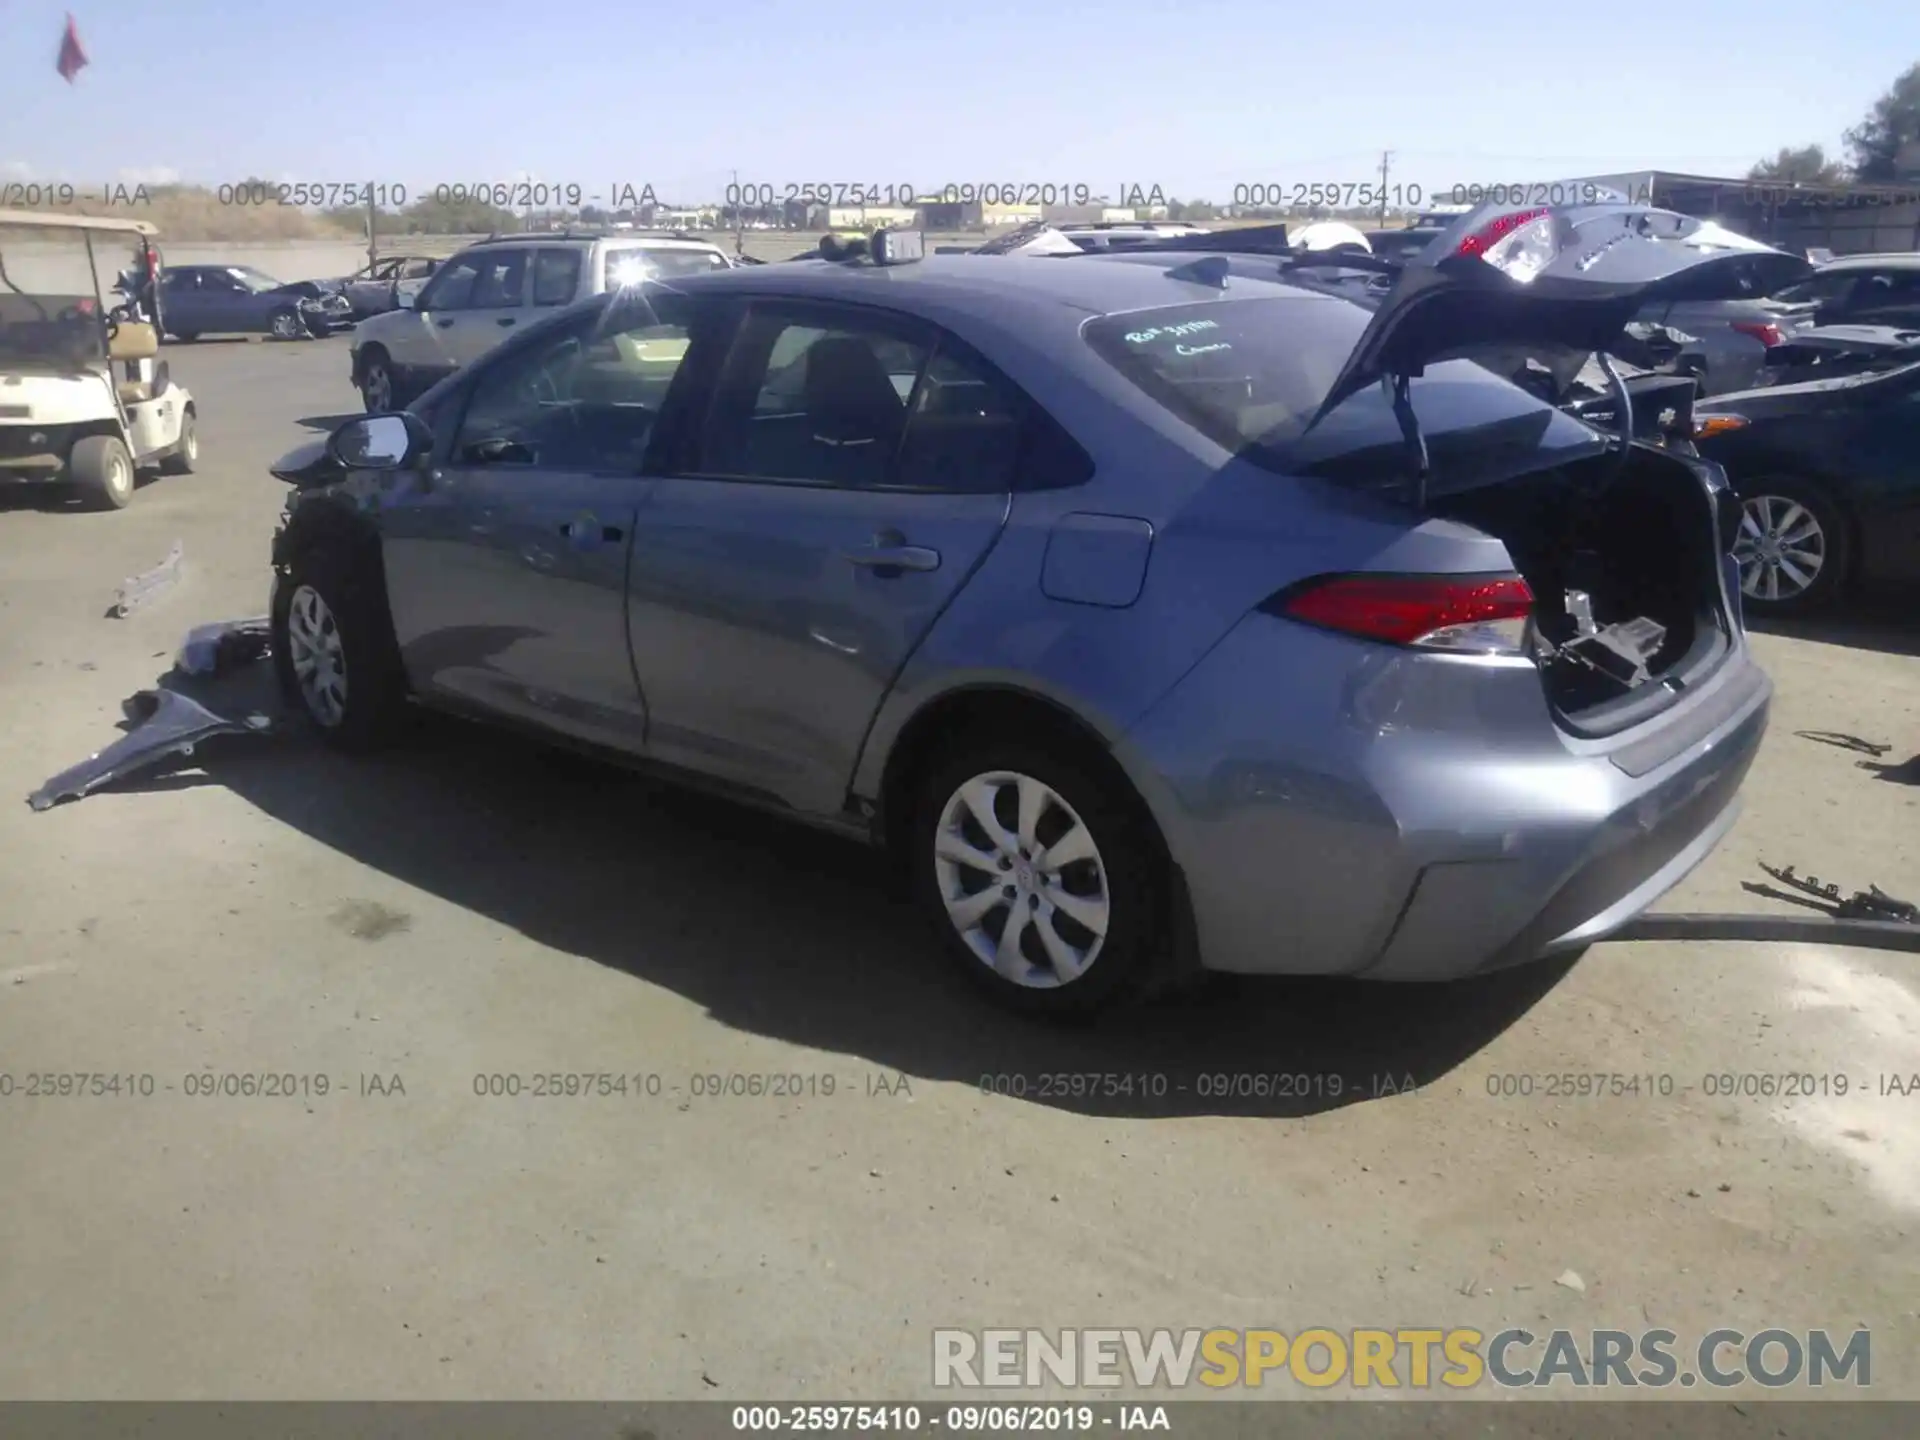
(894, 558)
(507, 321)
(443, 324)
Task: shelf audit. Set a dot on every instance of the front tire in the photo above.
(101, 470)
(187, 453)
(376, 384)
(334, 651)
(286, 325)
(1794, 547)
(1042, 877)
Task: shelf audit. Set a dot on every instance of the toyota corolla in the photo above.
(1158, 617)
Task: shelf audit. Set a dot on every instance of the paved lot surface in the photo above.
(475, 907)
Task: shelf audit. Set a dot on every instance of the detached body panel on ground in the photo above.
(978, 558)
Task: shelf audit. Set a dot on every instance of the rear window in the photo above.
(1251, 374)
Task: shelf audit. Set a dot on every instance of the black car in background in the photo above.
(1828, 474)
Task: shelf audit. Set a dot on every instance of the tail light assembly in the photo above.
(1706, 425)
(1455, 614)
(1765, 331)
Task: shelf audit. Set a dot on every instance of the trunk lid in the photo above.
(1567, 279)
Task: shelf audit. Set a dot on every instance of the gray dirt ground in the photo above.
(473, 906)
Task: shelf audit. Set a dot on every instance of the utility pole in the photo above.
(373, 215)
(1386, 162)
(739, 220)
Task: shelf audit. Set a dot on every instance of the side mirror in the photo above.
(380, 442)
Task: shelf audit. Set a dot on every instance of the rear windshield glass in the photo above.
(1251, 374)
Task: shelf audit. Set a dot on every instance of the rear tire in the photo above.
(334, 652)
(101, 471)
(1794, 547)
(1089, 923)
(187, 454)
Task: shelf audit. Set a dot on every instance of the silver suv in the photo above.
(480, 296)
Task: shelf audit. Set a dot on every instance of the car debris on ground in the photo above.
(167, 723)
(138, 591)
(223, 645)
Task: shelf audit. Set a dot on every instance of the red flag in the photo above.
(72, 58)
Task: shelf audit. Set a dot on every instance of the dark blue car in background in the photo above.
(201, 300)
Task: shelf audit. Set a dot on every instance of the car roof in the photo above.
(1039, 298)
(1890, 260)
(624, 237)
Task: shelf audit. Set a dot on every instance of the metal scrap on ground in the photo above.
(170, 724)
(223, 645)
(140, 590)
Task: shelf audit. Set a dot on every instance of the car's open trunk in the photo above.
(1642, 547)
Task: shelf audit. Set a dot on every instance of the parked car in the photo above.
(1828, 474)
(1862, 290)
(1120, 606)
(1826, 352)
(198, 300)
(475, 300)
(387, 284)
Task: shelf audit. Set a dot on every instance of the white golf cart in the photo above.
(83, 400)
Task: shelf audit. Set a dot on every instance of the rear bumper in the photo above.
(1348, 809)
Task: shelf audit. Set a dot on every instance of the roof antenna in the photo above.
(1207, 270)
(1399, 388)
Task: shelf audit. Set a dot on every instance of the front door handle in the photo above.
(443, 324)
(893, 558)
(507, 321)
(584, 529)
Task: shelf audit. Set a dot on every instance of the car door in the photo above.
(496, 303)
(180, 307)
(418, 341)
(805, 536)
(226, 306)
(506, 566)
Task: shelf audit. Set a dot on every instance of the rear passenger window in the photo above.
(556, 276)
(964, 431)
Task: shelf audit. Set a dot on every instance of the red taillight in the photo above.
(1478, 242)
(1765, 331)
(1484, 613)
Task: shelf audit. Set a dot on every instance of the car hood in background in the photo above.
(1610, 261)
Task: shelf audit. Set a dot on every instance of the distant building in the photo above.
(1846, 219)
(871, 217)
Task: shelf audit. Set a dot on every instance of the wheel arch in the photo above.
(998, 706)
(978, 708)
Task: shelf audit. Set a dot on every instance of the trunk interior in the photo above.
(1642, 547)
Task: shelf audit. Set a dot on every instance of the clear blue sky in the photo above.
(679, 94)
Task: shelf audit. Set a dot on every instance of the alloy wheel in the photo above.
(1781, 548)
(376, 388)
(1022, 879)
(318, 657)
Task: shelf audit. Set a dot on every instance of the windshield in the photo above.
(255, 280)
(50, 311)
(1251, 374)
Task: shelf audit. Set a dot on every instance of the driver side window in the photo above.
(584, 400)
(452, 288)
